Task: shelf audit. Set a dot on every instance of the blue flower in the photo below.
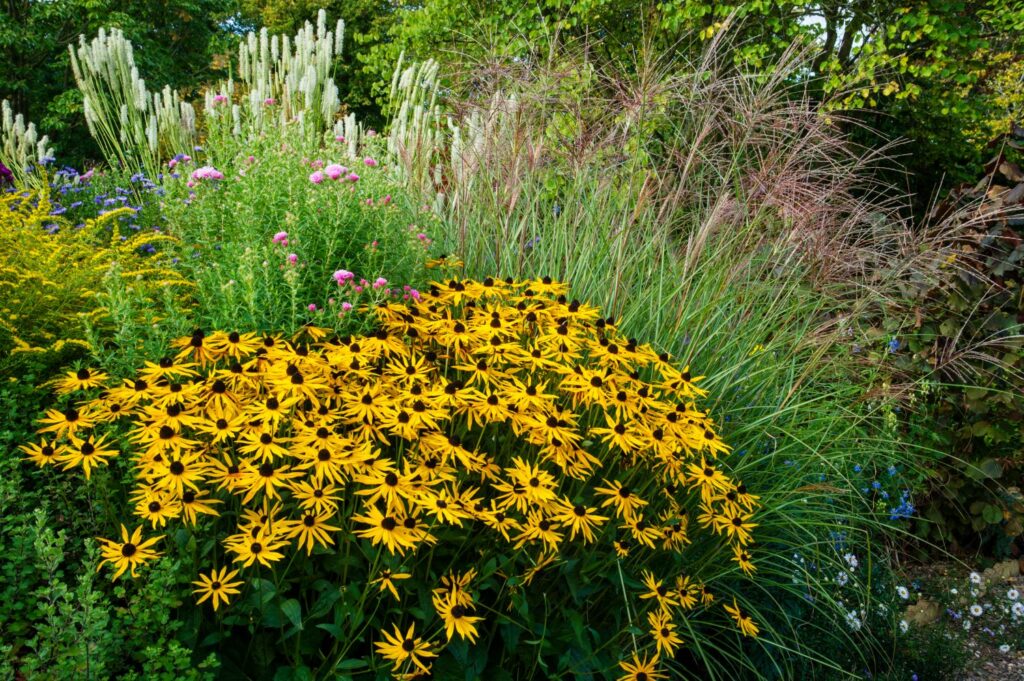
(857, 468)
(894, 345)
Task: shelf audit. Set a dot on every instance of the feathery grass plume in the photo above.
(21, 148)
(719, 212)
(133, 126)
(287, 80)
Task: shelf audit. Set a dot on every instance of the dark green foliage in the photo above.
(175, 43)
(968, 339)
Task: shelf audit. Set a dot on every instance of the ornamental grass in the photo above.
(481, 451)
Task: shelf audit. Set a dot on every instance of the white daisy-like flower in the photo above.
(976, 610)
(904, 626)
(903, 592)
(1017, 609)
(842, 578)
(1005, 648)
(1013, 594)
(975, 578)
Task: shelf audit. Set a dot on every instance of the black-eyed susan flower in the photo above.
(196, 348)
(665, 597)
(43, 453)
(266, 478)
(263, 547)
(706, 595)
(384, 529)
(217, 587)
(736, 525)
(233, 344)
(580, 519)
(500, 521)
(128, 554)
(66, 423)
(744, 621)
(318, 496)
(457, 616)
(386, 579)
(82, 379)
(262, 445)
(166, 368)
(621, 498)
(312, 529)
(388, 485)
(643, 532)
(179, 473)
(156, 506)
(538, 527)
(641, 668)
(194, 504)
(663, 631)
(742, 558)
(686, 592)
(402, 648)
(708, 478)
(86, 453)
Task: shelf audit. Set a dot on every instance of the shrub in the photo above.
(495, 453)
(967, 340)
(53, 273)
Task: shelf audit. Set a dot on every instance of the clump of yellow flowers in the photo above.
(496, 413)
(52, 271)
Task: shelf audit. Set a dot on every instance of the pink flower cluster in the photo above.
(180, 158)
(281, 239)
(423, 238)
(344, 278)
(219, 99)
(333, 172)
(207, 173)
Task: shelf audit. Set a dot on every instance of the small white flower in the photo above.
(853, 621)
(1005, 648)
(976, 610)
(842, 578)
(1017, 609)
(967, 625)
(851, 560)
(904, 626)
(903, 592)
(954, 591)
(1013, 594)
(975, 578)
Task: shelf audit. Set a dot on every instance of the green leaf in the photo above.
(292, 609)
(992, 514)
(332, 629)
(991, 469)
